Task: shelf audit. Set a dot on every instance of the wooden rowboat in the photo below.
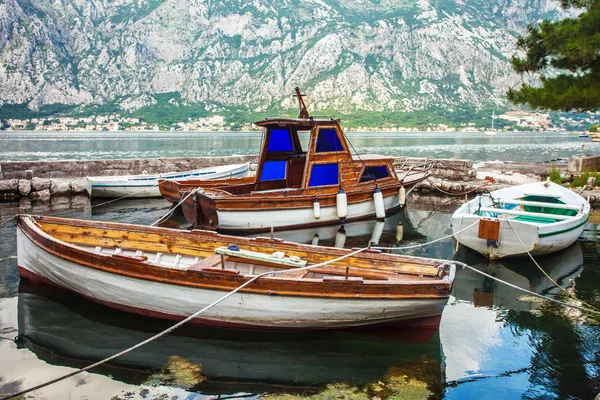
(319, 184)
(144, 185)
(539, 218)
(172, 274)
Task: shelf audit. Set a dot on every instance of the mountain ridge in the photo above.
(350, 55)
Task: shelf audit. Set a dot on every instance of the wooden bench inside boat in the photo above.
(260, 257)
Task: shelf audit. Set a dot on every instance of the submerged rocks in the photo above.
(43, 195)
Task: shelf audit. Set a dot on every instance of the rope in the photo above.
(457, 193)
(426, 243)
(172, 210)
(177, 325)
(461, 264)
(7, 220)
(544, 272)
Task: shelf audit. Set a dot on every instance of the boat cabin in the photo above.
(326, 160)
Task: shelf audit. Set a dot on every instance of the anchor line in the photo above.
(541, 296)
(544, 272)
(172, 210)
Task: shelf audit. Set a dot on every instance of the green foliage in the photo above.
(20, 111)
(555, 175)
(125, 13)
(571, 46)
(594, 128)
(581, 180)
(169, 110)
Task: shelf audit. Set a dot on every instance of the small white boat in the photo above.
(145, 185)
(544, 216)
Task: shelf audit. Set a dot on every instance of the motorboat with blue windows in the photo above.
(306, 176)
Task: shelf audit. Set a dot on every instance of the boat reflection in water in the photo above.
(388, 232)
(563, 267)
(63, 329)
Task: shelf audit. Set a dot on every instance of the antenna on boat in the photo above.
(303, 112)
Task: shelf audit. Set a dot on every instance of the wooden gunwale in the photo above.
(395, 288)
(304, 198)
(187, 245)
(189, 240)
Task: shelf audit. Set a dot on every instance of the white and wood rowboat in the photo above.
(145, 185)
(172, 274)
(545, 216)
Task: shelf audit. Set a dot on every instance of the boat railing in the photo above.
(412, 165)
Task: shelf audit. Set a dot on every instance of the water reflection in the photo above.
(493, 341)
(63, 329)
(563, 267)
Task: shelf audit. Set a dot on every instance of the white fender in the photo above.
(340, 237)
(401, 196)
(341, 201)
(377, 231)
(317, 208)
(379, 205)
(315, 240)
(399, 231)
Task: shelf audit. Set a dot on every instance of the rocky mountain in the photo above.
(373, 55)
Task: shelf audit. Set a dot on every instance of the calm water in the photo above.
(110, 145)
(493, 342)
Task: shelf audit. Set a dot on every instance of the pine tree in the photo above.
(570, 51)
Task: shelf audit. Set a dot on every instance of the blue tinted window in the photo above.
(328, 141)
(372, 173)
(279, 140)
(273, 170)
(324, 174)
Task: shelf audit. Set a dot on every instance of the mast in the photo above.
(303, 112)
(493, 117)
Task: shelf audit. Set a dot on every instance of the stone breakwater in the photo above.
(41, 180)
(45, 180)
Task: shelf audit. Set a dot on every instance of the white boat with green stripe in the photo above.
(537, 218)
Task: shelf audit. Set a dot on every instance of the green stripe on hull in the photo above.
(565, 230)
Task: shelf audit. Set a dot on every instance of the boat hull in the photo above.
(536, 238)
(143, 186)
(242, 310)
(281, 219)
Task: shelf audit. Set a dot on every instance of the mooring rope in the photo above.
(544, 272)
(177, 325)
(462, 264)
(172, 210)
(426, 243)
(591, 309)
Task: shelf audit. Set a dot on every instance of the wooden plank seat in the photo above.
(209, 262)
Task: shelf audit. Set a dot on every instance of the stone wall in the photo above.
(580, 164)
(82, 168)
